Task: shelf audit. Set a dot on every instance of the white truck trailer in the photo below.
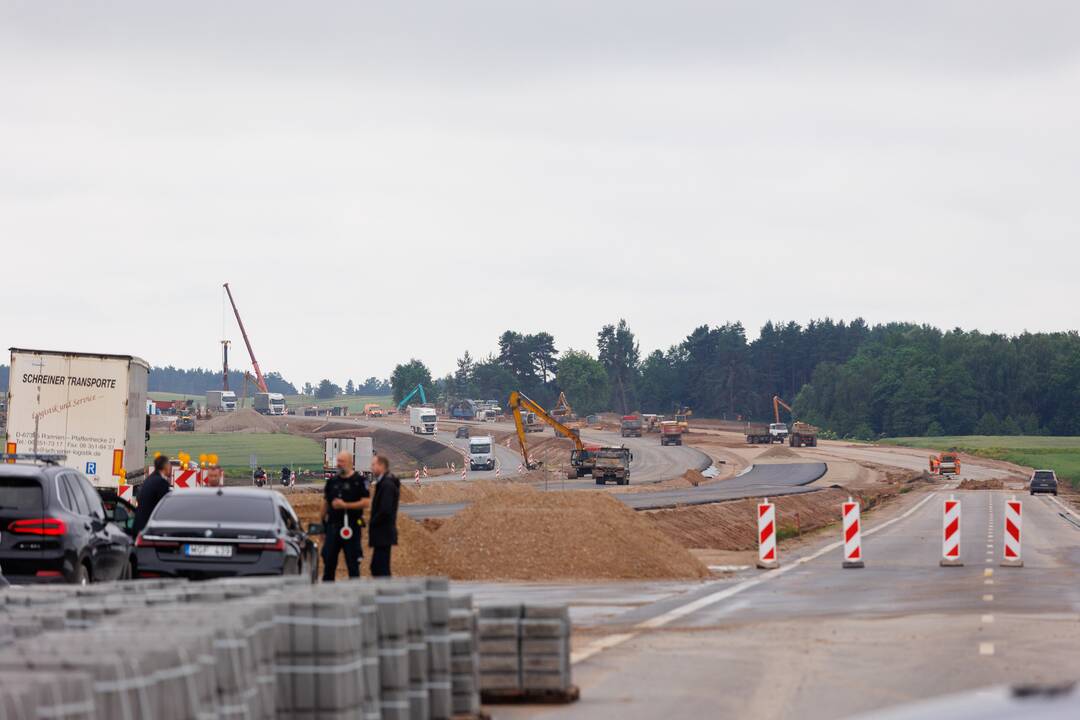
(362, 448)
(89, 408)
(270, 403)
(220, 400)
(423, 420)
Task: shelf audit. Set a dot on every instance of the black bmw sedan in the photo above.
(203, 533)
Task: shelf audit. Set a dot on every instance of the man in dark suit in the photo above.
(151, 491)
(382, 529)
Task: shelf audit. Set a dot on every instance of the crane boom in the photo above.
(254, 363)
(519, 401)
(777, 403)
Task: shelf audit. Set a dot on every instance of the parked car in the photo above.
(54, 527)
(462, 432)
(223, 532)
(1043, 481)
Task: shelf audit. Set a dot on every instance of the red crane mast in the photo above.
(254, 363)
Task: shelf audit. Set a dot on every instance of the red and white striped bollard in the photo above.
(766, 522)
(950, 540)
(853, 557)
(1013, 522)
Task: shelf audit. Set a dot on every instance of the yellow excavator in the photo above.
(519, 401)
(603, 463)
(564, 413)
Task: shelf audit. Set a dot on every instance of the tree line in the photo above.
(846, 377)
(197, 381)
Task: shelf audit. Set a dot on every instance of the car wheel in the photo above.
(82, 575)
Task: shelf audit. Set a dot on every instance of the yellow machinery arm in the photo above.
(517, 403)
(777, 403)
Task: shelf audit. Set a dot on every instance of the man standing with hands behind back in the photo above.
(382, 533)
(344, 499)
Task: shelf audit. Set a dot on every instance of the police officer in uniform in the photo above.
(344, 499)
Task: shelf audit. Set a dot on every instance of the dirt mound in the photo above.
(417, 552)
(552, 536)
(778, 453)
(457, 491)
(242, 421)
(993, 484)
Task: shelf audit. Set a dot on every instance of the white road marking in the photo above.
(987, 619)
(986, 648)
(694, 605)
(599, 646)
(988, 598)
(729, 568)
(988, 572)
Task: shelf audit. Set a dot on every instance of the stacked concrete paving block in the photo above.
(319, 661)
(437, 637)
(392, 613)
(545, 648)
(499, 628)
(464, 656)
(30, 696)
(416, 618)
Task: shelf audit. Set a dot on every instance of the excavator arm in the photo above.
(405, 400)
(777, 403)
(519, 402)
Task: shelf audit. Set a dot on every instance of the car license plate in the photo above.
(222, 551)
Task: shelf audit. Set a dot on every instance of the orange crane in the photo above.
(260, 380)
(777, 403)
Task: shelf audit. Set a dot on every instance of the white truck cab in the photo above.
(481, 453)
(778, 432)
(423, 420)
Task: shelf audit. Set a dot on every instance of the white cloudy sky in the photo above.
(385, 180)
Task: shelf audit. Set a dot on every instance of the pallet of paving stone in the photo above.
(538, 697)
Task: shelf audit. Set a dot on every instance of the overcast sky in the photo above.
(379, 181)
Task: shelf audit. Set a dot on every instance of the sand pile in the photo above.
(778, 453)
(457, 491)
(552, 536)
(417, 552)
(993, 484)
(243, 421)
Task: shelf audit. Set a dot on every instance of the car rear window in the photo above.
(20, 493)
(1044, 475)
(177, 506)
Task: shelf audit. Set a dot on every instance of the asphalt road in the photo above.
(813, 640)
(756, 481)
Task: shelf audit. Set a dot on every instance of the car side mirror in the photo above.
(316, 529)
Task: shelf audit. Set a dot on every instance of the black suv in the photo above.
(54, 528)
(1043, 481)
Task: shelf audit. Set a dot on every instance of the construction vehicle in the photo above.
(683, 418)
(802, 434)
(260, 380)
(268, 403)
(419, 389)
(374, 410)
(220, 400)
(89, 408)
(946, 463)
(185, 422)
(612, 463)
(533, 424)
(423, 420)
(583, 457)
(670, 433)
(518, 402)
(564, 413)
(361, 448)
(481, 456)
(630, 426)
(757, 433)
(651, 422)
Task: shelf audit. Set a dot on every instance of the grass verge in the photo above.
(1060, 454)
(234, 450)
